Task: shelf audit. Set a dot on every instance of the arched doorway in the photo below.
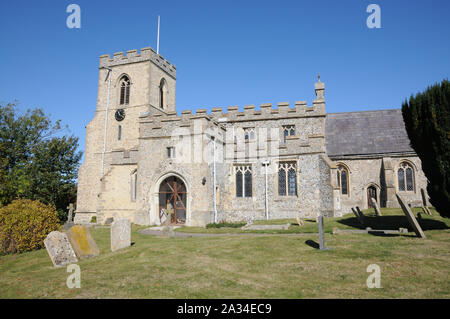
(172, 190)
(371, 193)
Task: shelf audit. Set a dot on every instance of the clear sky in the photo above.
(226, 52)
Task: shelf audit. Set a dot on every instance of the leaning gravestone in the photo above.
(410, 216)
(375, 206)
(59, 249)
(424, 202)
(360, 214)
(120, 234)
(299, 220)
(358, 217)
(322, 235)
(82, 242)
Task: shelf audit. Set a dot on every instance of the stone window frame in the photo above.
(339, 178)
(133, 185)
(286, 169)
(248, 136)
(162, 93)
(287, 128)
(243, 168)
(171, 152)
(404, 165)
(125, 93)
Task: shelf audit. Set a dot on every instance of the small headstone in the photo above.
(82, 242)
(357, 216)
(410, 216)
(70, 214)
(424, 197)
(300, 222)
(120, 234)
(360, 214)
(375, 206)
(59, 249)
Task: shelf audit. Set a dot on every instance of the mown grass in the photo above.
(392, 219)
(242, 267)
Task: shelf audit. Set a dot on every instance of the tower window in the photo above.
(124, 85)
(342, 179)
(119, 133)
(243, 175)
(171, 152)
(405, 176)
(133, 185)
(162, 93)
(287, 179)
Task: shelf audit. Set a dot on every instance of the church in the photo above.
(265, 162)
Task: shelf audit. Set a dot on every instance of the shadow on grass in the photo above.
(380, 234)
(392, 223)
(312, 243)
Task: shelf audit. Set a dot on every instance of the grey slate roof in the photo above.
(366, 133)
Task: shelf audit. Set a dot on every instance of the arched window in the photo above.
(287, 180)
(162, 93)
(124, 85)
(243, 175)
(342, 179)
(405, 176)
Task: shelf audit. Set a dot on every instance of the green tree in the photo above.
(35, 163)
(427, 121)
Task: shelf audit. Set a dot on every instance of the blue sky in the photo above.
(226, 52)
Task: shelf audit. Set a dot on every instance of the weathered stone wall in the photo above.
(365, 172)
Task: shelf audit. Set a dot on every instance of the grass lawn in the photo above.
(247, 266)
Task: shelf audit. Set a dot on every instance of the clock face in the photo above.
(120, 114)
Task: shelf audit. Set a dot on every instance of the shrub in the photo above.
(93, 219)
(225, 224)
(427, 122)
(24, 224)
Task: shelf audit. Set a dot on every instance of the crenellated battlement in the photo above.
(133, 56)
(268, 112)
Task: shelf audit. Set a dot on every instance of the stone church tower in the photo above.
(114, 128)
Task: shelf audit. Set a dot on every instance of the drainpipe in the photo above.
(214, 178)
(106, 117)
(266, 163)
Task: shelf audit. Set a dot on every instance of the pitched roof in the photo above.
(366, 133)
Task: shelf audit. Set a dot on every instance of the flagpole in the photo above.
(157, 44)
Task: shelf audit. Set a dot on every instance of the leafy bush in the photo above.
(225, 224)
(93, 219)
(24, 224)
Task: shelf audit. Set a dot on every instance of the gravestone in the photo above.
(300, 222)
(411, 219)
(59, 249)
(69, 222)
(363, 218)
(120, 234)
(70, 215)
(358, 216)
(424, 202)
(82, 242)
(375, 206)
(321, 235)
